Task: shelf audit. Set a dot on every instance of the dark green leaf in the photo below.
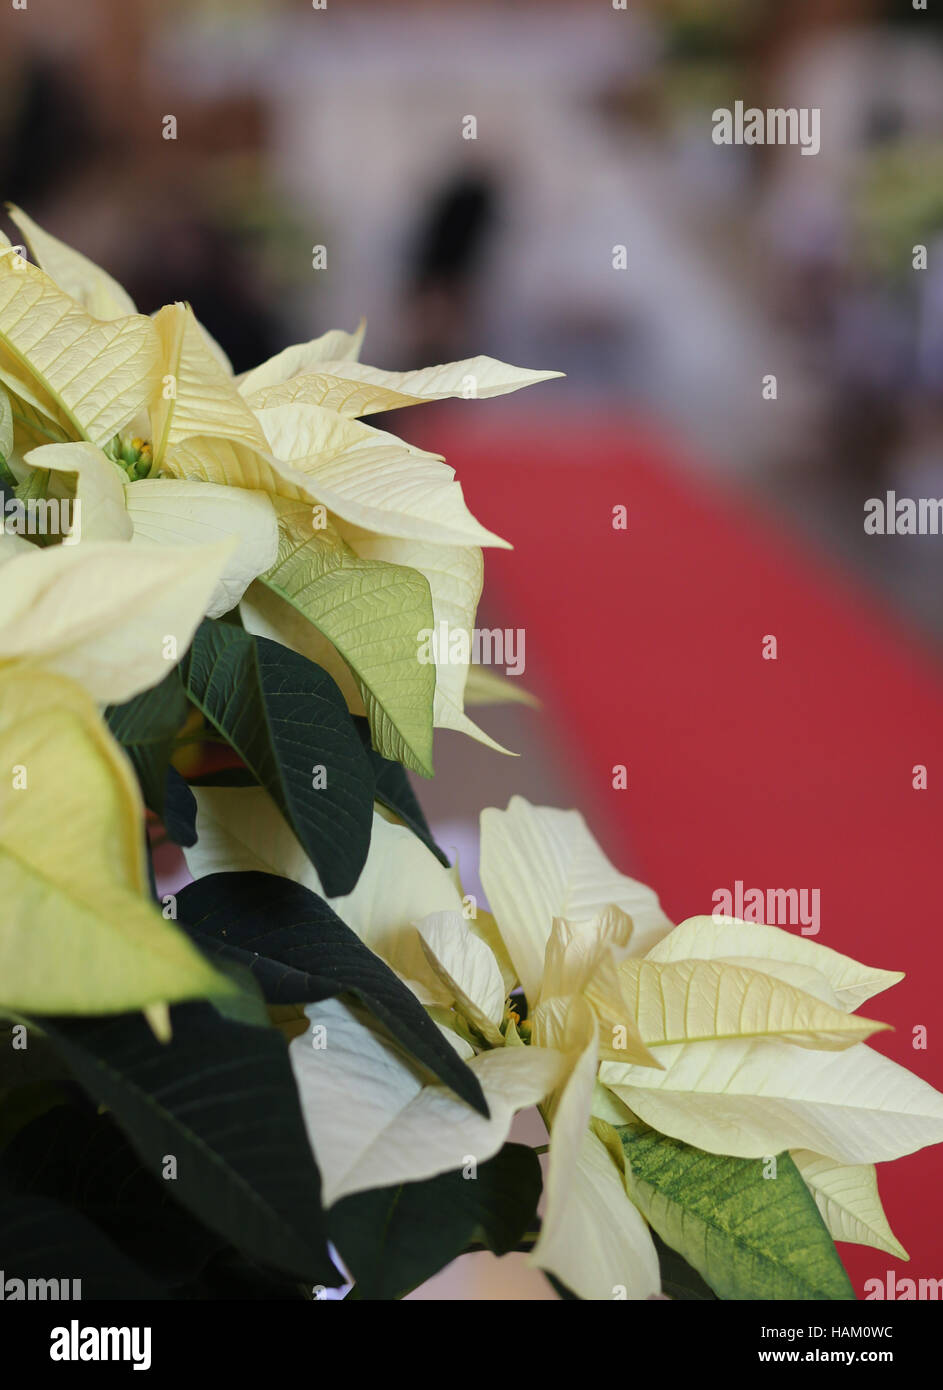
(179, 809)
(678, 1280)
(146, 728)
(560, 1289)
(394, 790)
(394, 1238)
(300, 952)
(82, 1159)
(225, 777)
(220, 1100)
(43, 1239)
(285, 717)
(231, 1275)
(747, 1235)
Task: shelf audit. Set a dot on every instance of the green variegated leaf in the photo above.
(749, 1234)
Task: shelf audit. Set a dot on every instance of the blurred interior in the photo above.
(342, 128)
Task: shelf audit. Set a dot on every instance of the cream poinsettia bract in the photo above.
(352, 544)
(82, 626)
(737, 1038)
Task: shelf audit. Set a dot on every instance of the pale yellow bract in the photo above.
(79, 934)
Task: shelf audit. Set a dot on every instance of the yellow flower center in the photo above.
(133, 455)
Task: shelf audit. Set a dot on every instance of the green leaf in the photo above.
(372, 612)
(20, 1106)
(220, 1099)
(146, 728)
(394, 791)
(560, 1289)
(748, 1236)
(394, 1238)
(285, 718)
(238, 776)
(33, 487)
(82, 1159)
(300, 952)
(678, 1280)
(36, 1232)
(179, 809)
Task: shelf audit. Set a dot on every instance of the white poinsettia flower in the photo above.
(752, 1028)
(738, 1039)
(757, 1097)
(112, 617)
(159, 396)
(167, 512)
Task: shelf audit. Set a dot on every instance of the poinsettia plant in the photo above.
(300, 1071)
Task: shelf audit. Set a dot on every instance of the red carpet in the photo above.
(645, 646)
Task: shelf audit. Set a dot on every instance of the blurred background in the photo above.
(344, 129)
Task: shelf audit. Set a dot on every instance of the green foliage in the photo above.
(394, 1238)
(286, 719)
(299, 951)
(216, 1107)
(146, 728)
(749, 1235)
